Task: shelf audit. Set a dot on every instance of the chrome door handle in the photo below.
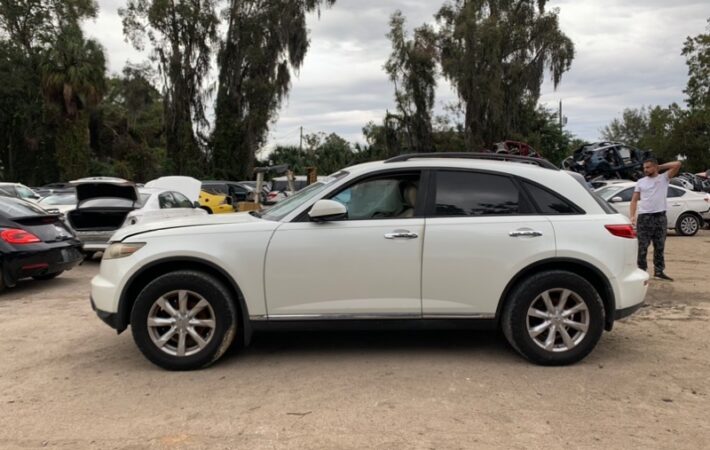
(676, 204)
(401, 234)
(525, 233)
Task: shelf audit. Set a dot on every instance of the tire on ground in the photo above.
(684, 217)
(514, 318)
(212, 290)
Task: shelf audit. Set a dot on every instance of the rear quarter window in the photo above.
(549, 203)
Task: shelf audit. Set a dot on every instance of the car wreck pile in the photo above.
(607, 161)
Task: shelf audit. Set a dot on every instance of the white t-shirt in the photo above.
(654, 193)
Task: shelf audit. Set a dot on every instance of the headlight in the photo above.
(121, 249)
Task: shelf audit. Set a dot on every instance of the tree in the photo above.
(631, 129)
(128, 131)
(182, 34)
(697, 54)
(73, 82)
(265, 41)
(496, 53)
(412, 68)
(29, 129)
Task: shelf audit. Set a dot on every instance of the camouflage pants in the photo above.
(652, 228)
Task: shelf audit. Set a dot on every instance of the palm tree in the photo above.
(73, 81)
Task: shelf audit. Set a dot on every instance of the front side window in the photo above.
(24, 192)
(166, 201)
(477, 194)
(181, 201)
(388, 197)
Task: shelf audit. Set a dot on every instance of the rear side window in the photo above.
(549, 203)
(477, 194)
(673, 192)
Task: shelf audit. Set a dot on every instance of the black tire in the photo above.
(209, 288)
(48, 276)
(688, 225)
(514, 321)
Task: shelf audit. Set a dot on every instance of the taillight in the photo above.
(15, 236)
(623, 231)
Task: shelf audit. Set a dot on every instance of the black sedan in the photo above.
(34, 243)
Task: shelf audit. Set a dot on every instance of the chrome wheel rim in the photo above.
(689, 225)
(181, 323)
(558, 320)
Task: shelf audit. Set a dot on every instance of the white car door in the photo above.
(481, 232)
(676, 205)
(365, 266)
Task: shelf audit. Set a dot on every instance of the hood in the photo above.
(187, 186)
(115, 188)
(184, 222)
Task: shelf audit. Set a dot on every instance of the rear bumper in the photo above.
(19, 265)
(631, 292)
(626, 312)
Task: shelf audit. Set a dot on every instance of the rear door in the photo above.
(676, 205)
(480, 231)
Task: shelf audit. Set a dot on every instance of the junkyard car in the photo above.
(106, 205)
(687, 210)
(607, 160)
(428, 240)
(18, 190)
(33, 243)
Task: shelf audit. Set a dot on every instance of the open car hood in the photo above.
(187, 186)
(88, 189)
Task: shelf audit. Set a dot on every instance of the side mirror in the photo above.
(196, 204)
(616, 200)
(325, 210)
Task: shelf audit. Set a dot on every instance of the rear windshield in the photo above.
(600, 201)
(64, 199)
(10, 208)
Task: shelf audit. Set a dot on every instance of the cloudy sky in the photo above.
(628, 55)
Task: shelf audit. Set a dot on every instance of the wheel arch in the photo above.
(582, 268)
(162, 266)
(689, 212)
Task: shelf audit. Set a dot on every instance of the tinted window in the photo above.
(626, 194)
(166, 201)
(381, 198)
(477, 194)
(215, 189)
(673, 192)
(547, 202)
(182, 201)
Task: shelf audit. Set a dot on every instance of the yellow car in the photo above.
(215, 203)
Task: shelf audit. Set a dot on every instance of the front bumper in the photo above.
(110, 319)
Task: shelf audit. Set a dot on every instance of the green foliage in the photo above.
(327, 153)
(183, 34)
(496, 53)
(265, 41)
(697, 53)
(412, 68)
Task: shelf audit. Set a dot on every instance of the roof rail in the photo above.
(472, 155)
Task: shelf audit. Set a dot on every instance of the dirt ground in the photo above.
(67, 381)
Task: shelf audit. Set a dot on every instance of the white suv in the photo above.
(428, 240)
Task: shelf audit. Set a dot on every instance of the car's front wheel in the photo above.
(184, 320)
(554, 318)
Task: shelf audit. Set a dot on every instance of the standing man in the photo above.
(650, 197)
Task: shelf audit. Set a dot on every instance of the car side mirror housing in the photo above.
(326, 210)
(616, 200)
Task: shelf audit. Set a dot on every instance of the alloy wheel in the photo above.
(689, 225)
(181, 323)
(558, 320)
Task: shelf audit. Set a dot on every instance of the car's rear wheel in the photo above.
(184, 320)
(554, 318)
(48, 276)
(688, 225)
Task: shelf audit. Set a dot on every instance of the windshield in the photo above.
(64, 199)
(608, 192)
(287, 206)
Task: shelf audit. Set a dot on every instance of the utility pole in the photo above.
(300, 142)
(560, 116)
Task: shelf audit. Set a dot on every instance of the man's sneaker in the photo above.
(662, 276)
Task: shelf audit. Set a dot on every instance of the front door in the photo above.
(366, 266)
